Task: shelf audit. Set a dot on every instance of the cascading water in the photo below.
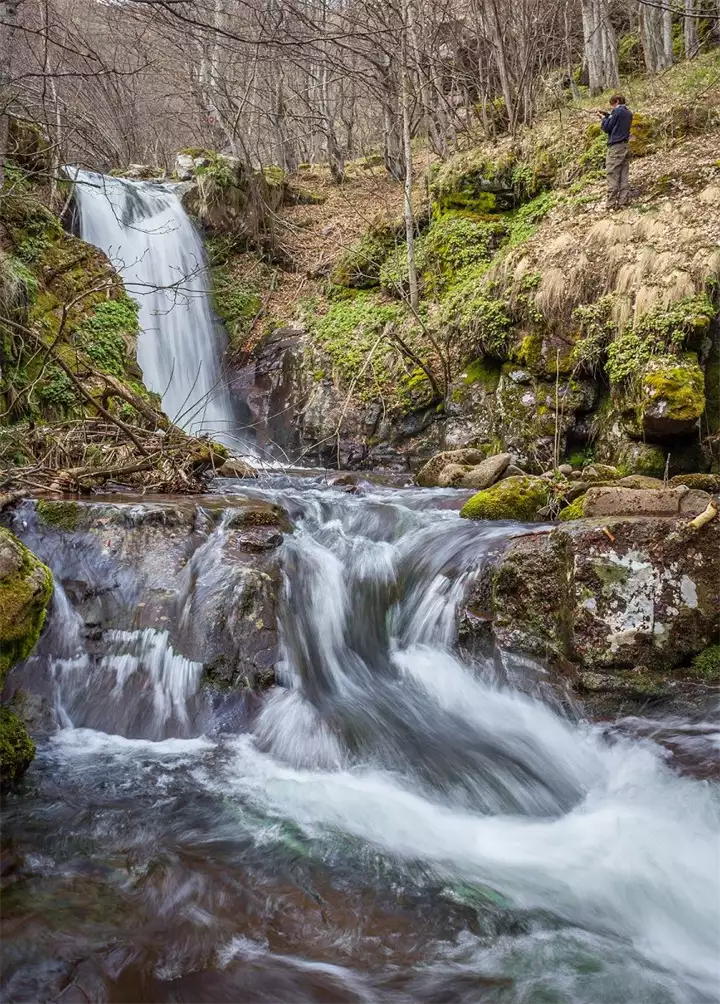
(396, 823)
(144, 230)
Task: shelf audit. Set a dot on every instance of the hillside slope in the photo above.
(546, 326)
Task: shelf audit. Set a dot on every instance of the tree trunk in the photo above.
(407, 151)
(692, 42)
(667, 38)
(8, 25)
(600, 46)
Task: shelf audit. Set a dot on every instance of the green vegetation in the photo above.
(16, 749)
(105, 334)
(706, 665)
(25, 590)
(359, 267)
(573, 511)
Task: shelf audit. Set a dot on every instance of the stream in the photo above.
(394, 821)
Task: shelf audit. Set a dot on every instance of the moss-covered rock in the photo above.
(25, 591)
(16, 749)
(359, 266)
(672, 395)
(706, 664)
(574, 510)
(517, 498)
(63, 514)
(702, 482)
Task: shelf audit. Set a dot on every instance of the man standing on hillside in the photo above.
(616, 123)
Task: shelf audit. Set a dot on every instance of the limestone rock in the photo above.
(673, 395)
(513, 498)
(428, 476)
(452, 475)
(604, 471)
(565, 469)
(184, 167)
(486, 473)
(645, 502)
(513, 471)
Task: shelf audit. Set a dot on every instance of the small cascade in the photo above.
(144, 230)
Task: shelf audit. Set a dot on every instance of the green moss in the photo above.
(106, 333)
(516, 498)
(482, 371)
(677, 385)
(16, 749)
(25, 590)
(525, 220)
(480, 322)
(573, 511)
(706, 665)
(64, 515)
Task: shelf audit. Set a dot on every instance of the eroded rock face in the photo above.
(644, 502)
(606, 595)
(207, 575)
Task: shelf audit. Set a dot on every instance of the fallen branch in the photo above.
(705, 516)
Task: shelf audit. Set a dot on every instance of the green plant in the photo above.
(56, 389)
(104, 333)
(597, 330)
(706, 665)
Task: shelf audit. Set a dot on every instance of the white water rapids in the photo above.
(387, 762)
(144, 230)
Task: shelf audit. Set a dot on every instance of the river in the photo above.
(394, 821)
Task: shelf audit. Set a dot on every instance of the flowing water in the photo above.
(393, 822)
(144, 230)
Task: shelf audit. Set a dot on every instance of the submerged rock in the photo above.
(519, 498)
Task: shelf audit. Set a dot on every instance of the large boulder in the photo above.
(429, 475)
(606, 595)
(486, 473)
(672, 393)
(25, 589)
(645, 502)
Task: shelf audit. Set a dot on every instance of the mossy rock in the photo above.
(574, 510)
(16, 749)
(359, 266)
(643, 135)
(672, 395)
(703, 482)
(63, 514)
(516, 498)
(25, 589)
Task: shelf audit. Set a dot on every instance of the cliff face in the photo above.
(547, 327)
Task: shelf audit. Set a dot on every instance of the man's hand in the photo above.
(601, 114)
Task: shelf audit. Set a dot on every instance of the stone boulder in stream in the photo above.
(617, 604)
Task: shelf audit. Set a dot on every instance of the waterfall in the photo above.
(144, 230)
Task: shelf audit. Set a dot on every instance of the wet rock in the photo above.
(514, 498)
(629, 501)
(429, 475)
(184, 167)
(611, 594)
(25, 590)
(487, 472)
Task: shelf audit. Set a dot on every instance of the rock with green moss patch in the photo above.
(451, 475)
(16, 749)
(701, 482)
(640, 481)
(574, 510)
(514, 498)
(25, 591)
(63, 514)
(486, 473)
(672, 395)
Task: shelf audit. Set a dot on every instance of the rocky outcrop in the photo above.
(617, 605)
(25, 589)
(207, 574)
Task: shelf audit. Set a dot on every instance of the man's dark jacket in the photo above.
(617, 124)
